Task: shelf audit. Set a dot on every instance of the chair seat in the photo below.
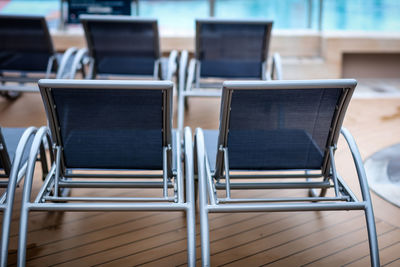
(271, 148)
(11, 138)
(211, 143)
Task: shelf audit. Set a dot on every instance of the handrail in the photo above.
(212, 12)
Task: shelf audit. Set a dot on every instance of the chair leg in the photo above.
(204, 227)
(23, 228)
(26, 193)
(372, 238)
(204, 236)
(7, 216)
(5, 235)
(190, 199)
(191, 235)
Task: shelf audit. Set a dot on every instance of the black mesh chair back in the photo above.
(25, 44)
(110, 125)
(231, 48)
(285, 126)
(122, 45)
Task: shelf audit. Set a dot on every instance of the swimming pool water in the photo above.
(179, 15)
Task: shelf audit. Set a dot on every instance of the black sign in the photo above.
(98, 7)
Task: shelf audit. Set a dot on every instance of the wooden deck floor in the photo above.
(246, 239)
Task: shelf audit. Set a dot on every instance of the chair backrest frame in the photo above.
(47, 86)
(347, 86)
(221, 22)
(87, 19)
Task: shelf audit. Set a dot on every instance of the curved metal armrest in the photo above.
(373, 243)
(42, 133)
(172, 64)
(50, 63)
(18, 168)
(189, 168)
(203, 169)
(81, 60)
(362, 177)
(64, 67)
(183, 63)
(190, 74)
(276, 67)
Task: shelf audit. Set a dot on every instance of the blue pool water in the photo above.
(179, 15)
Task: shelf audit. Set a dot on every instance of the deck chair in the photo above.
(125, 46)
(225, 49)
(123, 128)
(14, 151)
(27, 55)
(277, 132)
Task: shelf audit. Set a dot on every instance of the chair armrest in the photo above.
(64, 67)
(362, 177)
(183, 63)
(172, 64)
(189, 167)
(276, 67)
(81, 60)
(203, 170)
(191, 74)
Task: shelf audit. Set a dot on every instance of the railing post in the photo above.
(321, 5)
(212, 7)
(136, 6)
(61, 25)
(310, 9)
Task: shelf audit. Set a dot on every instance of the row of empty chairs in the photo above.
(126, 47)
(118, 134)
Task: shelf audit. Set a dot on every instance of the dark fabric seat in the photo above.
(11, 137)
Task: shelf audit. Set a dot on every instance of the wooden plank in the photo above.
(279, 243)
(388, 254)
(336, 245)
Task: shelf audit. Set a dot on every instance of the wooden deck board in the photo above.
(347, 255)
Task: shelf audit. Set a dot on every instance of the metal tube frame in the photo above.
(369, 213)
(63, 71)
(46, 200)
(18, 170)
(344, 200)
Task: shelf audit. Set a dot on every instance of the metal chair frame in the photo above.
(11, 178)
(60, 178)
(343, 199)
